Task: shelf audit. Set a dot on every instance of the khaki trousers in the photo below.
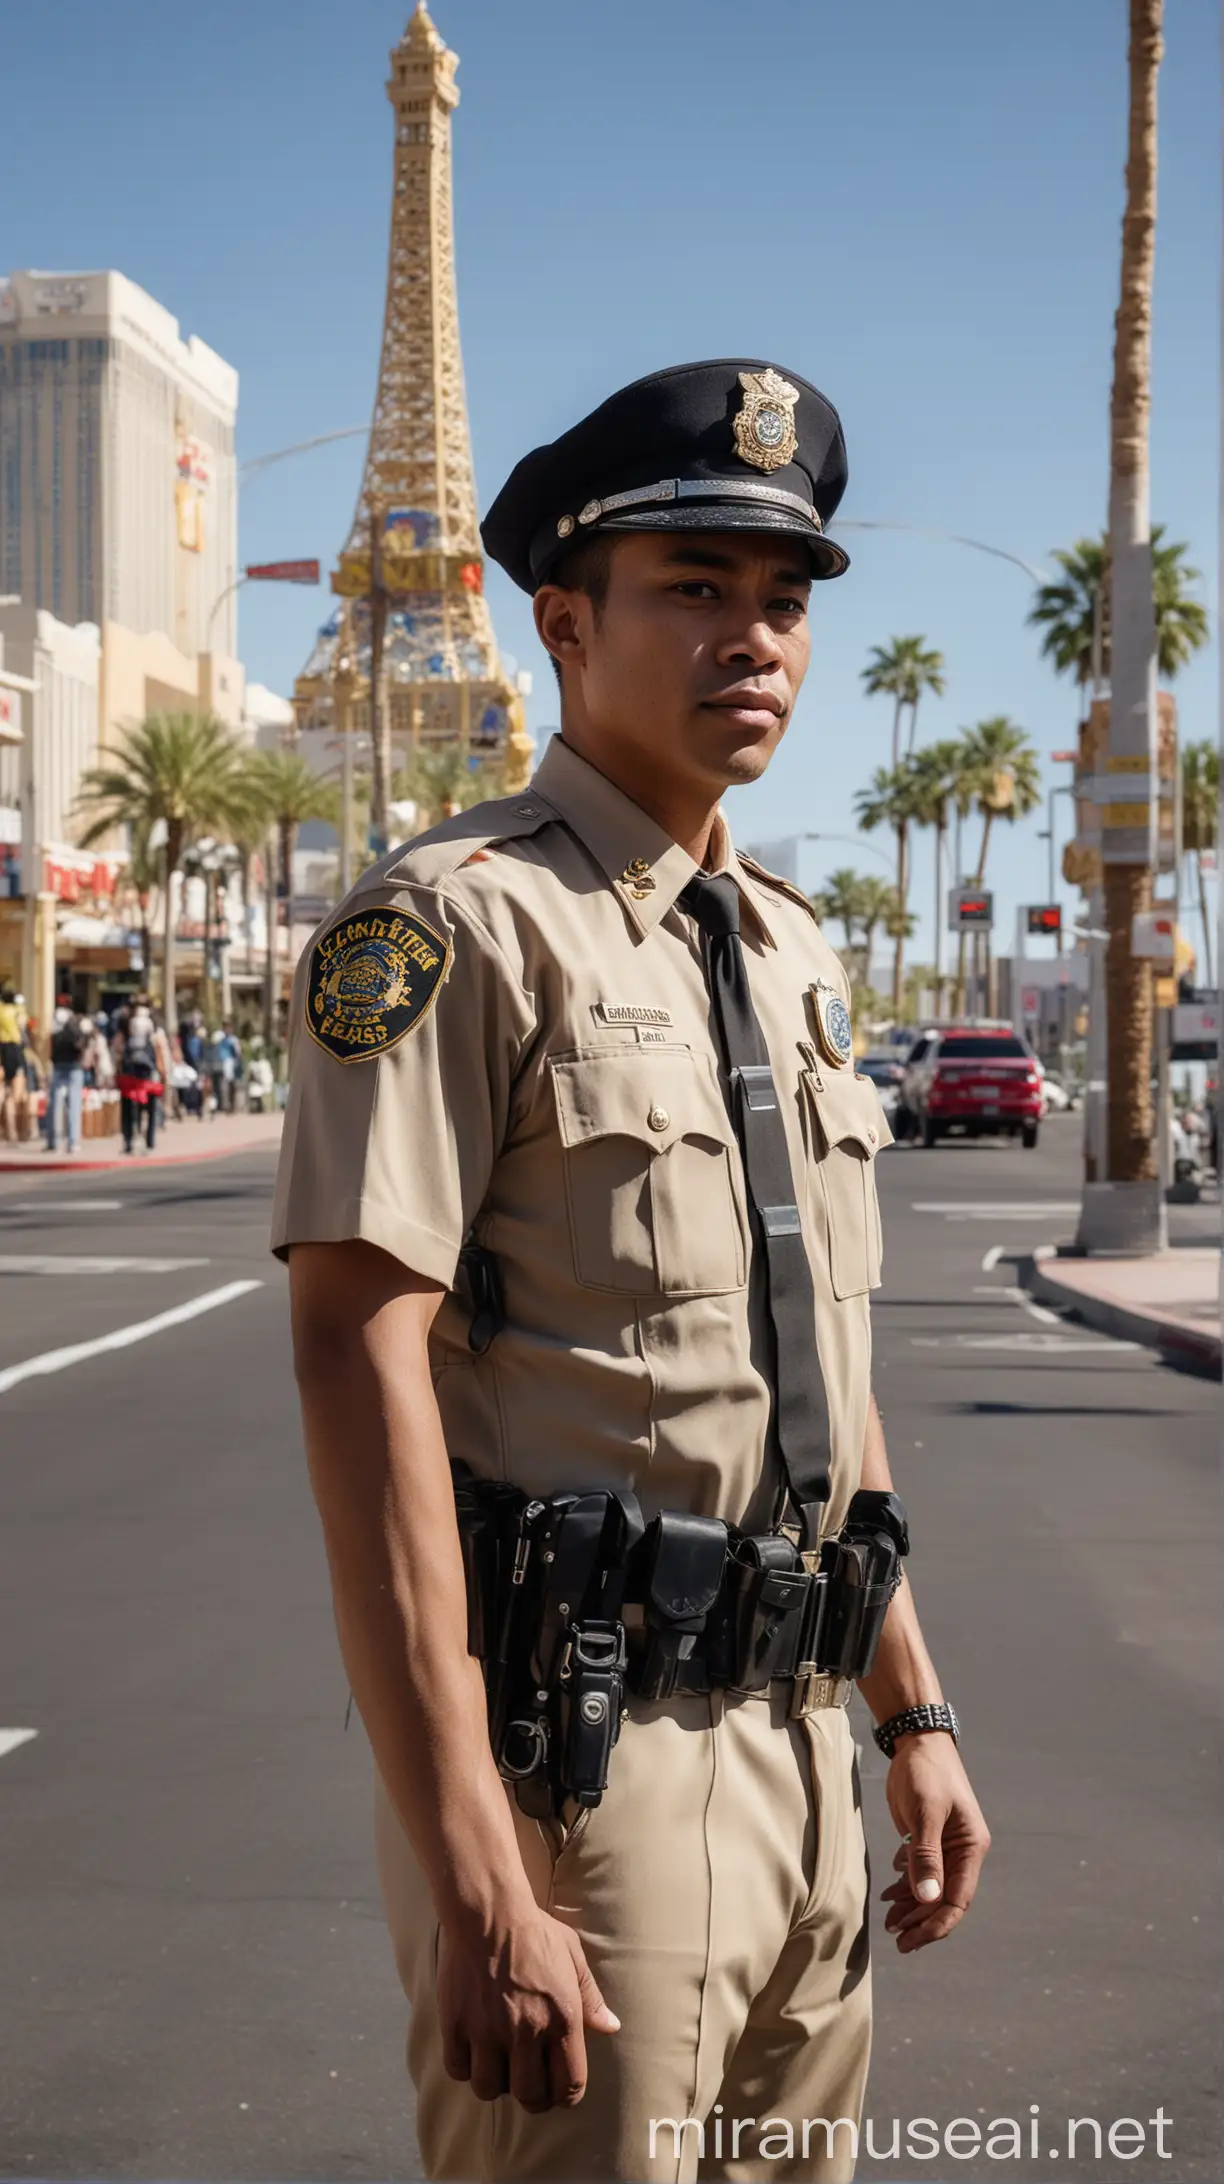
(720, 1893)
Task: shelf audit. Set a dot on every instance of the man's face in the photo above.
(689, 672)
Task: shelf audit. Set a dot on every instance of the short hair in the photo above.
(587, 567)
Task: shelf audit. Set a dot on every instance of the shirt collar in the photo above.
(645, 868)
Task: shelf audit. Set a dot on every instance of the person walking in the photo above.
(12, 1043)
(142, 1062)
(224, 1055)
(577, 1190)
(68, 1043)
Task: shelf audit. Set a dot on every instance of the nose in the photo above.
(750, 643)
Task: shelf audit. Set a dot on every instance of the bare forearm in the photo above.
(904, 1674)
(381, 1481)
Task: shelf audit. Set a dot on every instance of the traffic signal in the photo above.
(1045, 917)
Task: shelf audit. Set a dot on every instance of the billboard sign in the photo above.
(1045, 917)
(970, 910)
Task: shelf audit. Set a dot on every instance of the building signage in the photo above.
(283, 572)
(970, 909)
(1045, 917)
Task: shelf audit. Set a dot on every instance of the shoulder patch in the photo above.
(374, 976)
(774, 879)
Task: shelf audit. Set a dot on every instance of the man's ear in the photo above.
(558, 621)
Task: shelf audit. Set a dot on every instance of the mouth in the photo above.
(746, 708)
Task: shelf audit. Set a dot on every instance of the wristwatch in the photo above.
(915, 1720)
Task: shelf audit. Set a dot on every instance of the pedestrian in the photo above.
(143, 1066)
(578, 1189)
(12, 1041)
(69, 1038)
(261, 1084)
(223, 1058)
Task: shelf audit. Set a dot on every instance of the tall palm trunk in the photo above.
(1127, 833)
(174, 858)
(987, 823)
(941, 828)
(896, 743)
(1207, 979)
(898, 993)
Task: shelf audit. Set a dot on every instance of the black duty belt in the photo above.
(575, 1601)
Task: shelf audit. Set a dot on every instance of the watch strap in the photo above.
(916, 1720)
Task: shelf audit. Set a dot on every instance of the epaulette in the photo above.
(774, 879)
(430, 858)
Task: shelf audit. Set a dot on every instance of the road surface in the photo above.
(195, 1980)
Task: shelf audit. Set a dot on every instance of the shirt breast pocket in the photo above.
(849, 1129)
(650, 1172)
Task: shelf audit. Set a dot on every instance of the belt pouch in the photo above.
(767, 1588)
(682, 1564)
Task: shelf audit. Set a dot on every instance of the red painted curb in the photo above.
(128, 1160)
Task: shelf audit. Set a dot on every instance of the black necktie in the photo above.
(800, 1406)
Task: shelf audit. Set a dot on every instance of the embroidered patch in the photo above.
(373, 979)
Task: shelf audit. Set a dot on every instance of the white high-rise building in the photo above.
(118, 492)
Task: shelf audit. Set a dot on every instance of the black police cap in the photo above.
(732, 445)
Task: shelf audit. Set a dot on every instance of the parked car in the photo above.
(887, 1073)
(1057, 1098)
(972, 1080)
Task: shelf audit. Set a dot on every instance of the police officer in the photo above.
(575, 1029)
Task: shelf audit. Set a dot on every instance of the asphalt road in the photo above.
(195, 1980)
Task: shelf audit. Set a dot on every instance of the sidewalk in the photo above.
(1170, 1302)
(177, 1142)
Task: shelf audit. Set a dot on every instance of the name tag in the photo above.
(628, 1012)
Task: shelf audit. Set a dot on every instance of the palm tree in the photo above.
(1200, 764)
(877, 902)
(1001, 771)
(902, 670)
(142, 873)
(841, 898)
(288, 793)
(180, 773)
(445, 780)
(892, 798)
(1067, 609)
(1128, 885)
(939, 770)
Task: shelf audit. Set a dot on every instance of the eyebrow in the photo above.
(708, 557)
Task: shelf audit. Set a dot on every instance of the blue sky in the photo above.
(918, 208)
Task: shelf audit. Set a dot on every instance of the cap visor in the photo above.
(713, 515)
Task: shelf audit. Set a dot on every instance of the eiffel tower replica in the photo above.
(410, 657)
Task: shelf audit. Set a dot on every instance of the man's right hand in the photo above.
(515, 2009)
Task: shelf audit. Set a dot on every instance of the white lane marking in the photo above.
(1011, 1295)
(11, 1738)
(61, 1205)
(965, 1209)
(54, 1361)
(1029, 1342)
(12, 1262)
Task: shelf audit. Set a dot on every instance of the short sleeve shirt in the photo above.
(545, 1081)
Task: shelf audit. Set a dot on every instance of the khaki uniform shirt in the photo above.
(559, 1096)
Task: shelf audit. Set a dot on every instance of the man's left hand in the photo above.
(944, 1841)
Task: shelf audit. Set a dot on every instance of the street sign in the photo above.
(1196, 1020)
(1045, 917)
(1064, 758)
(1154, 935)
(1030, 1002)
(970, 909)
(283, 572)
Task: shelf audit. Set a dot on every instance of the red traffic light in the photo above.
(1045, 917)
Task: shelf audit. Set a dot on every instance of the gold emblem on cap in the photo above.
(565, 525)
(833, 1027)
(637, 878)
(765, 434)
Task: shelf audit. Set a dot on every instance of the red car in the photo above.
(972, 1080)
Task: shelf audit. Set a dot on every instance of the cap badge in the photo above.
(765, 434)
(637, 878)
(833, 1026)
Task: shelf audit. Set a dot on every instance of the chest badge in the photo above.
(373, 978)
(637, 878)
(764, 427)
(833, 1027)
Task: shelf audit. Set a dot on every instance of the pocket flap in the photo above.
(848, 1108)
(653, 1094)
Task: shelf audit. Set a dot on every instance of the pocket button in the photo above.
(658, 1118)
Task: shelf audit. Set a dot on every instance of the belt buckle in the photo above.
(814, 1691)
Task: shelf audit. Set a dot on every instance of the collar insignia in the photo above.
(637, 878)
(765, 434)
(833, 1027)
